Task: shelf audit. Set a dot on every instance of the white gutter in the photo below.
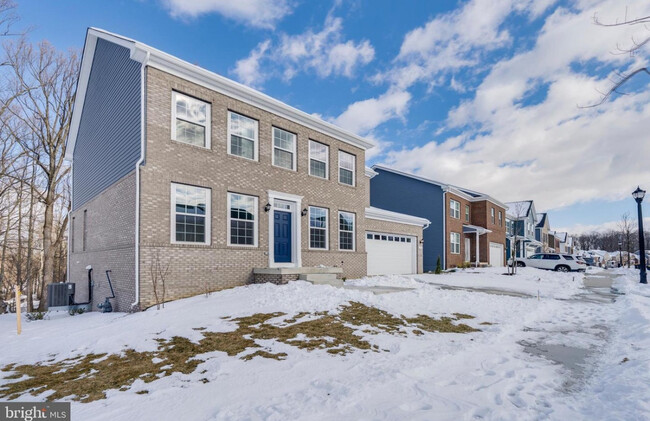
(137, 177)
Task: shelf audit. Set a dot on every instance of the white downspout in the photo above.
(444, 228)
(137, 178)
(70, 240)
(477, 249)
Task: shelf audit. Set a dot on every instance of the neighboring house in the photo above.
(176, 167)
(522, 220)
(466, 226)
(563, 239)
(541, 233)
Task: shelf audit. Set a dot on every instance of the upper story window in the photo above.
(500, 219)
(190, 120)
(242, 136)
(492, 215)
(284, 149)
(190, 214)
(317, 228)
(318, 159)
(346, 168)
(467, 213)
(346, 231)
(454, 207)
(242, 220)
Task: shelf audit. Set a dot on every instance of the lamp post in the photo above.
(620, 255)
(638, 195)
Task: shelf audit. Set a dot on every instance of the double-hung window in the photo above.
(454, 207)
(346, 168)
(242, 220)
(284, 149)
(190, 214)
(317, 228)
(318, 159)
(500, 219)
(455, 243)
(492, 214)
(242, 136)
(346, 231)
(467, 213)
(190, 120)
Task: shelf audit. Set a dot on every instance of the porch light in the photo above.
(304, 212)
(267, 207)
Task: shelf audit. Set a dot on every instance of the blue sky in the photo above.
(479, 93)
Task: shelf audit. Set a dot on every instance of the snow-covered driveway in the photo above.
(496, 373)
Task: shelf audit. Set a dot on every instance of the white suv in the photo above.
(552, 261)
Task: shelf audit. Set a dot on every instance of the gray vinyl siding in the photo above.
(108, 143)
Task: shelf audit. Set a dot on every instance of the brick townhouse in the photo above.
(175, 166)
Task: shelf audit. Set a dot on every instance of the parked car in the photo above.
(552, 261)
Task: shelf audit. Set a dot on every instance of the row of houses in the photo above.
(186, 178)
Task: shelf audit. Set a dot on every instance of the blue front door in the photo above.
(282, 236)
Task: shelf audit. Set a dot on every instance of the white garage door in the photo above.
(496, 254)
(390, 254)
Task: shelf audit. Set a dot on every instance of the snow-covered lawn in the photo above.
(411, 375)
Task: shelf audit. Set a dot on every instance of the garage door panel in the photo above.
(391, 257)
(496, 254)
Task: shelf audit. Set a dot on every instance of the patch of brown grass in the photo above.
(86, 378)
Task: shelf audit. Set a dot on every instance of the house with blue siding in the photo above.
(467, 227)
(522, 223)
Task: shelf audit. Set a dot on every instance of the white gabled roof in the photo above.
(153, 57)
(390, 216)
(467, 194)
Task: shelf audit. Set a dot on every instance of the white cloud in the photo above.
(256, 13)
(363, 116)
(578, 229)
(324, 53)
(248, 69)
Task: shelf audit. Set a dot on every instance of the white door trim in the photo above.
(468, 256)
(296, 249)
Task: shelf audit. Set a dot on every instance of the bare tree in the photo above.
(627, 229)
(518, 211)
(636, 45)
(159, 272)
(42, 87)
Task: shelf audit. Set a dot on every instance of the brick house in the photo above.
(175, 166)
(467, 227)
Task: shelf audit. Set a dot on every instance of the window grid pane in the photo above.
(317, 228)
(346, 231)
(190, 213)
(318, 157)
(346, 176)
(282, 158)
(242, 147)
(242, 219)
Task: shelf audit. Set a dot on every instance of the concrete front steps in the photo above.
(318, 275)
(321, 279)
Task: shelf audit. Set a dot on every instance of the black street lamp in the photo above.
(638, 195)
(620, 255)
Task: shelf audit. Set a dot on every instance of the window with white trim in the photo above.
(317, 228)
(284, 149)
(346, 168)
(500, 219)
(190, 214)
(492, 214)
(318, 159)
(242, 220)
(242, 136)
(454, 238)
(454, 207)
(346, 230)
(190, 120)
(467, 213)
